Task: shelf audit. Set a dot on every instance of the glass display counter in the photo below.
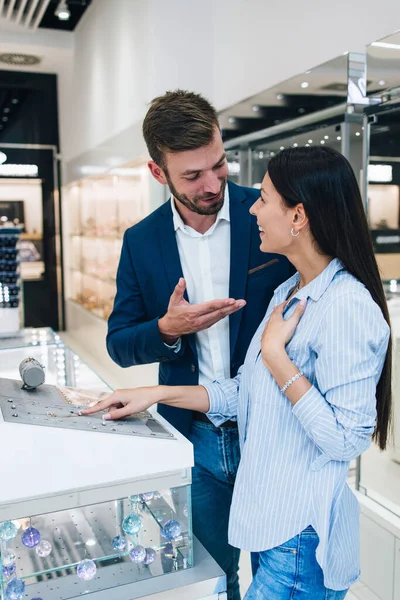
(90, 513)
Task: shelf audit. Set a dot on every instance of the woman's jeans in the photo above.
(291, 572)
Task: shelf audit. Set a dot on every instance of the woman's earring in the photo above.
(293, 233)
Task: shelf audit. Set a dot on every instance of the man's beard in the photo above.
(192, 204)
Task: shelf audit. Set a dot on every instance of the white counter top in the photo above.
(80, 466)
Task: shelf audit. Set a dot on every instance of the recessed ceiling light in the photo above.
(339, 138)
(322, 142)
(256, 108)
(279, 97)
(14, 101)
(358, 133)
(62, 11)
(261, 155)
(304, 85)
(310, 141)
(382, 82)
(295, 145)
(282, 148)
(307, 145)
(326, 137)
(19, 60)
(272, 153)
(232, 120)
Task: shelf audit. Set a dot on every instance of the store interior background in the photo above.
(102, 74)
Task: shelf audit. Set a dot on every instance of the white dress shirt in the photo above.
(205, 260)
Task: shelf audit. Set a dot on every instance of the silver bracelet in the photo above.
(292, 380)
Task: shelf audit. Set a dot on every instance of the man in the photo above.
(183, 270)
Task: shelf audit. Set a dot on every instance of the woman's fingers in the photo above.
(119, 413)
(103, 405)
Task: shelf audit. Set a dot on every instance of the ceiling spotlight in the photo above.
(256, 108)
(326, 137)
(322, 142)
(358, 133)
(282, 148)
(261, 155)
(3, 157)
(279, 97)
(232, 120)
(307, 145)
(382, 82)
(310, 141)
(304, 85)
(339, 138)
(62, 11)
(272, 153)
(295, 145)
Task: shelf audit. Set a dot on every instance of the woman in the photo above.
(314, 389)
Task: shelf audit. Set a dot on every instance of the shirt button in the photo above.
(193, 368)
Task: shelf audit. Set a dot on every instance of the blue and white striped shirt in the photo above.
(295, 459)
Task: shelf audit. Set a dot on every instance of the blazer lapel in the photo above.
(240, 248)
(170, 256)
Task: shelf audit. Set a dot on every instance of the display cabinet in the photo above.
(99, 210)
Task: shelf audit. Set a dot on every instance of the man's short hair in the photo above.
(176, 122)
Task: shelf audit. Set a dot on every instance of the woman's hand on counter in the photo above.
(123, 403)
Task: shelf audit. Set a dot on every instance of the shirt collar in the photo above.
(222, 214)
(315, 289)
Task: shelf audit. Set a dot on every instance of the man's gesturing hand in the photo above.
(183, 318)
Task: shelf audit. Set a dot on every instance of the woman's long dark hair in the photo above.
(324, 182)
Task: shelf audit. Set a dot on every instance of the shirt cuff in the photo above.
(217, 400)
(309, 407)
(175, 347)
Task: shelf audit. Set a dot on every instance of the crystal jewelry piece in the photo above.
(15, 589)
(8, 531)
(86, 569)
(147, 497)
(137, 554)
(172, 530)
(44, 548)
(30, 537)
(292, 380)
(9, 571)
(150, 557)
(134, 499)
(132, 524)
(119, 543)
(8, 558)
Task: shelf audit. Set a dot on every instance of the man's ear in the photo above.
(157, 172)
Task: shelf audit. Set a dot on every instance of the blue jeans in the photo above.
(216, 457)
(291, 572)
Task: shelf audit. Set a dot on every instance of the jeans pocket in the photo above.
(289, 546)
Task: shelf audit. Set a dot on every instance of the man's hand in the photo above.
(183, 318)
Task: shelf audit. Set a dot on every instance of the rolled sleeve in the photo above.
(223, 395)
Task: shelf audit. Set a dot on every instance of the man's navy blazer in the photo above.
(148, 272)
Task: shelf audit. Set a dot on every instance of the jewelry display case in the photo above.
(87, 512)
(99, 210)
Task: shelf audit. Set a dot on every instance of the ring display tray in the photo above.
(50, 406)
